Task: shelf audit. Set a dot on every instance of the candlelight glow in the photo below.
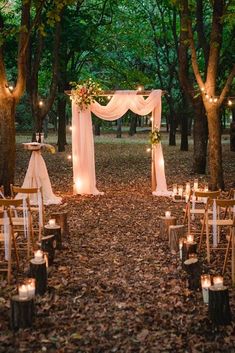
(69, 157)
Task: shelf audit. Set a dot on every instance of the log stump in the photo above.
(48, 245)
(56, 231)
(187, 249)
(193, 269)
(21, 312)
(38, 271)
(62, 220)
(175, 233)
(165, 223)
(219, 309)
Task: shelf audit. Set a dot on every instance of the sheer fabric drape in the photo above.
(83, 143)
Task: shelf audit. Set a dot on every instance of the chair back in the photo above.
(208, 194)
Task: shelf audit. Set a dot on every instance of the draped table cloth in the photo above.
(36, 177)
(83, 143)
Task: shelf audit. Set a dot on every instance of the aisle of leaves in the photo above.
(115, 286)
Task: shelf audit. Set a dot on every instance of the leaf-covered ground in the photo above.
(115, 286)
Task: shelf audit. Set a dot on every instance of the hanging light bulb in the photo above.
(40, 103)
(69, 157)
(109, 97)
(148, 149)
(140, 88)
(230, 102)
(207, 96)
(210, 100)
(202, 89)
(70, 128)
(215, 99)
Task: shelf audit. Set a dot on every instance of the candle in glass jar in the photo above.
(181, 242)
(187, 188)
(52, 222)
(205, 283)
(190, 238)
(180, 190)
(167, 214)
(195, 184)
(30, 283)
(38, 255)
(218, 281)
(174, 189)
(23, 291)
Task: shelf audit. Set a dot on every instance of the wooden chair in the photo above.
(195, 206)
(216, 219)
(2, 192)
(21, 220)
(7, 239)
(36, 205)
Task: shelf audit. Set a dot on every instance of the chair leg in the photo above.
(207, 243)
(201, 235)
(227, 252)
(16, 252)
(233, 255)
(9, 261)
(185, 214)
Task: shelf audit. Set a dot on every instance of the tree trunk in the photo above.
(200, 134)
(7, 142)
(119, 128)
(184, 126)
(61, 109)
(97, 124)
(172, 134)
(232, 131)
(133, 125)
(215, 149)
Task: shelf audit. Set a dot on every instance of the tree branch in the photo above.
(227, 85)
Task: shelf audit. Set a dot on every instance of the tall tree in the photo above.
(10, 98)
(213, 93)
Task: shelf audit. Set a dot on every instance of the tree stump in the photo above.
(22, 312)
(38, 271)
(175, 233)
(193, 269)
(219, 309)
(48, 245)
(165, 223)
(62, 220)
(187, 249)
(56, 231)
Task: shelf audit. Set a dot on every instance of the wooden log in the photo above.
(187, 249)
(175, 233)
(38, 271)
(21, 312)
(193, 269)
(56, 231)
(165, 223)
(48, 245)
(62, 220)
(219, 308)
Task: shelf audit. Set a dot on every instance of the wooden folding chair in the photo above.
(7, 238)
(196, 204)
(35, 196)
(21, 219)
(218, 221)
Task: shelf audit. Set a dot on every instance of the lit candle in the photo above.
(195, 184)
(205, 283)
(181, 243)
(174, 189)
(187, 188)
(190, 238)
(30, 283)
(23, 291)
(52, 222)
(218, 281)
(167, 214)
(192, 256)
(180, 190)
(206, 187)
(38, 255)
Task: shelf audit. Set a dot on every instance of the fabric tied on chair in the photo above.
(215, 240)
(40, 208)
(6, 231)
(25, 216)
(1, 194)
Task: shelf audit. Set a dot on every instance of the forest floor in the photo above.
(115, 286)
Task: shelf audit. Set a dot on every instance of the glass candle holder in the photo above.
(190, 238)
(205, 283)
(23, 291)
(168, 214)
(218, 281)
(38, 255)
(31, 285)
(195, 184)
(180, 190)
(52, 222)
(174, 189)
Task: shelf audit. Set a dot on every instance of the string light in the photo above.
(215, 99)
(70, 128)
(148, 149)
(40, 103)
(140, 88)
(69, 157)
(109, 97)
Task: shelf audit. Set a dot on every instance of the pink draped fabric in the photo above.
(83, 143)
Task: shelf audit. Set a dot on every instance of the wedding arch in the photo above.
(84, 175)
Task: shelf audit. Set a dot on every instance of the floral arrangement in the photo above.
(83, 93)
(49, 148)
(155, 136)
